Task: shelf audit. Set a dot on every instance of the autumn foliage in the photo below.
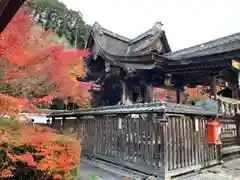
(33, 152)
(196, 94)
(36, 68)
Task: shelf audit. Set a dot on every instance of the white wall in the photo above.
(38, 118)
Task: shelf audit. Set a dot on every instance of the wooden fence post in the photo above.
(165, 149)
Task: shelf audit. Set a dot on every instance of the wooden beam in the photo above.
(178, 94)
(148, 93)
(124, 92)
(214, 87)
(3, 5)
(8, 8)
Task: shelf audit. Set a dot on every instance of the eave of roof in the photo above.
(215, 47)
(8, 9)
(207, 59)
(112, 34)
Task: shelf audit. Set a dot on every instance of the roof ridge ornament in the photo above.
(202, 46)
(158, 25)
(97, 28)
(157, 28)
(96, 25)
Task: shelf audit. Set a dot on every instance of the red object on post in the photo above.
(214, 131)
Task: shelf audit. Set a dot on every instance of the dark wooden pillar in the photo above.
(124, 92)
(214, 95)
(53, 122)
(178, 84)
(238, 130)
(178, 95)
(178, 92)
(236, 92)
(214, 87)
(149, 93)
(96, 98)
(238, 85)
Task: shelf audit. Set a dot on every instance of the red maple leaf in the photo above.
(35, 65)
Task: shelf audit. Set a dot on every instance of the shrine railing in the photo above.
(165, 140)
(228, 111)
(230, 133)
(228, 107)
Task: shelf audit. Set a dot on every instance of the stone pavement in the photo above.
(229, 170)
(97, 170)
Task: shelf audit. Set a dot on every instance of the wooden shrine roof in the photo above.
(227, 47)
(151, 50)
(142, 52)
(8, 9)
(206, 58)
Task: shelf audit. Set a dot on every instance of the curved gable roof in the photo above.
(142, 52)
(118, 45)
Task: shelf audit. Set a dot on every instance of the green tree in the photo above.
(67, 23)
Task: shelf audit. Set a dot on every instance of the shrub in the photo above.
(29, 151)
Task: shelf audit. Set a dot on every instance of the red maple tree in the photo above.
(35, 152)
(36, 67)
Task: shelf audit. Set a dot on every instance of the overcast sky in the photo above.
(186, 22)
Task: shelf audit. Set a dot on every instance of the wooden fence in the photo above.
(151, 138)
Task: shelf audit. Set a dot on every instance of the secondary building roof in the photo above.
(227, 47)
